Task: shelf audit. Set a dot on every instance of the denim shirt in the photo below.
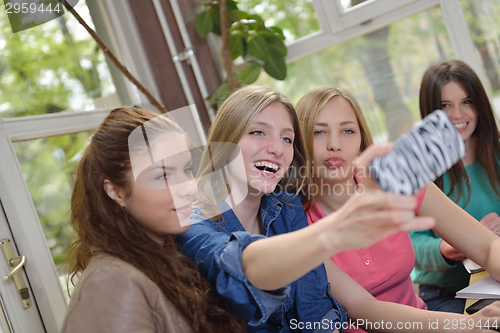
(306, 305)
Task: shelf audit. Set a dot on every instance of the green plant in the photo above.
(247, 37)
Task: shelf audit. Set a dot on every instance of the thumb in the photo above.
(362, 162)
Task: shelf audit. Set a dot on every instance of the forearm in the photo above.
(378, 316)
(362, 221)
(492, 264)
(277, 261)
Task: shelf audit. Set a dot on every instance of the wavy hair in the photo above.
(488, 145)
(232, 119)
(308, 108)
(103, 224)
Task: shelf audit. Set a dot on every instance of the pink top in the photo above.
(384, 268)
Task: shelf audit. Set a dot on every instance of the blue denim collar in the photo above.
(270, 209)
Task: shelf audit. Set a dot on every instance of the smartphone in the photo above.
(480, 304)
(420, 156)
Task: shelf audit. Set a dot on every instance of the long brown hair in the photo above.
(103, 224)
(231, 122)
(308, 108)
(488, 146)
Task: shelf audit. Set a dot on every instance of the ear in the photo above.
(114, 192)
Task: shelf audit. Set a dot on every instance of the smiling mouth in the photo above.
(265, 166)
(459, 126)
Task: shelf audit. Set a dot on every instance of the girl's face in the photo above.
(267, 148)
(459, 107)
(336, 142)
(162, 194)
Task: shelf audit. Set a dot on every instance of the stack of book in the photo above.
(485, 288)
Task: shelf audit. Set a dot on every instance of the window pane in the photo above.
(48, 166)
(347, 4)
(482, 17)
(53, 67)
(382, 69)
(286, 15)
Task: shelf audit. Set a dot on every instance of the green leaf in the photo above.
(250, 74)
(237, 26)
(235, 46)
(254, 25)
(265, 32)
(244, 48)
(279, 31)
(275, 66)
(214, 12)
(236, 15)
(257, 47)
(192, 16)
(251, 60)
(204, 24)
(220, 94)
(256, 18)
(276, 45)
(231, 5)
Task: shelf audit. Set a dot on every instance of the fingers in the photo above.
(397, 220)
(378, 199)
(492, 310)
(362, 164)
(420, 223)
(450, 252)
(490, 216)
(486, 314)
(491, 221)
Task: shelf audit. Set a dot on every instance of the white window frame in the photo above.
(338, 26)
(14, 194)
(21, 213)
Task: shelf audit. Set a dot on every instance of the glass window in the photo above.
(53, 67)
(482, 18)
(382, 69)
(347, 4)
(285, 14)
(48, 166)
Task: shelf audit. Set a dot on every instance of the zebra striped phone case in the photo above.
(421, 155)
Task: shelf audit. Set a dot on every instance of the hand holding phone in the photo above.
(423, 154)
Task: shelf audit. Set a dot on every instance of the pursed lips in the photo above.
(335, 161)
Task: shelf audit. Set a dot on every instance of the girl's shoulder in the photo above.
(103, 266)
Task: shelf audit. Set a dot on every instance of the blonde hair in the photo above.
(308, 108)
(232, 119)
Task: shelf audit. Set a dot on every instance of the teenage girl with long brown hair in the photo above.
(473, 183)
(133, 192)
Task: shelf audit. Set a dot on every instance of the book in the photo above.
(471, 266)
(485, 288)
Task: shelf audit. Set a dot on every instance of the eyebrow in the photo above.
(169, 168)
(445, 100)
(262, 123)
(163, 167)
(342, 123)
